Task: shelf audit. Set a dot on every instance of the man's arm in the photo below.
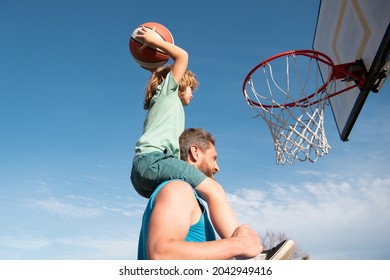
(175, 210)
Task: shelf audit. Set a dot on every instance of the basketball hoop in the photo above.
(290, 92)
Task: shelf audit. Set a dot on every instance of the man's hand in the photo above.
(249, 241)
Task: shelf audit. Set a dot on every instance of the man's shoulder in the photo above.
(176, 190)
(176, 187)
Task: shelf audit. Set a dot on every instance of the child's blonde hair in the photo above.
(158, 76)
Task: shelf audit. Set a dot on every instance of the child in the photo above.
(157, 152)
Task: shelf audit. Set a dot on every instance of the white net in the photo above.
(292, 103)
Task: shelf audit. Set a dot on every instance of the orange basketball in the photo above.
(149, 57)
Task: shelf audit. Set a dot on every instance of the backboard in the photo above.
(351, 30)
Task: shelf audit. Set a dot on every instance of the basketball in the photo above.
(149, 57)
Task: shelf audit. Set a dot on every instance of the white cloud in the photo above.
(328, 212)
(99, 247)
(64, 210)
(25, 243)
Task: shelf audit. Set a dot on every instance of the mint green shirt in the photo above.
(164, 121)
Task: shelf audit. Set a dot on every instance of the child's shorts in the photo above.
(151, 169)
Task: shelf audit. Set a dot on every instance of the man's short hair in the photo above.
(194, 136)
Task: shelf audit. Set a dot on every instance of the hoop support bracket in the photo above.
(352, 71)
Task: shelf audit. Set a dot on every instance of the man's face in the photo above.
(208, 161)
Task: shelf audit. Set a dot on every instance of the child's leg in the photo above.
(144, 173)
(221, 214)
(151, 169)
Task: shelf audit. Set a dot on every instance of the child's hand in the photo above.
(148, 36)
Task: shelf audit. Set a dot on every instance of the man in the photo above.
(175, 224)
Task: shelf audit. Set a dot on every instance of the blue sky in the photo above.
(71, 111)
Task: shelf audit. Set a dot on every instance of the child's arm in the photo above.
(179, 56)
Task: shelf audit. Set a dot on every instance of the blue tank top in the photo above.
(200, 232)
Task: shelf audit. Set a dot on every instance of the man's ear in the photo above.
(194, 153)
